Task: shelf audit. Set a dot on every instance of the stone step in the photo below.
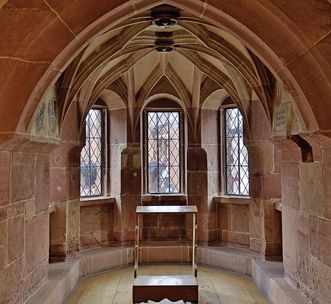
(269, 278)
(63, 277)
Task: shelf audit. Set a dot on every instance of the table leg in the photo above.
(194, 246)
(136, 247)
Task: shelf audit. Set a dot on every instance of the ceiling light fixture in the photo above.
(164, 42)
(164, 46)
(165, 15)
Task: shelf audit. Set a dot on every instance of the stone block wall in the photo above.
(65, 194)
(164, 227)
(96, 225)
(24, 219)
(233, 222)
(307, 223)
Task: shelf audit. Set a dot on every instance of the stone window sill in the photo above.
(234, 200)
(96, 201)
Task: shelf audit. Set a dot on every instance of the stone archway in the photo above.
(64, 21)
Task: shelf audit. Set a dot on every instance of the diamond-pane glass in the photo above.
(91, 156)
(236, 154)
(163, 152)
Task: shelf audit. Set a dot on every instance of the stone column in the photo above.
(65, 194)
(197, 189)
(130, 195)
(210, 144)
(131, 184)
(197, 177)
(265, 219)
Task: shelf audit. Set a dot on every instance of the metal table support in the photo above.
(158, 287)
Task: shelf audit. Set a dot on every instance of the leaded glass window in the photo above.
(163, 151)
(237, 176)
(91, 157)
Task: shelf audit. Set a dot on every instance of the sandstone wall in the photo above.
(24, 219)
(96, 225)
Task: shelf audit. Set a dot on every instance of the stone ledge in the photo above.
(62, 278)
(229, 258)
(234, 200)
(97, 201)
(96, 260)
(269, 278)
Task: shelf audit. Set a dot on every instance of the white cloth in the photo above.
(166, 301)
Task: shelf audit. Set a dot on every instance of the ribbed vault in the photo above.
(204, 59)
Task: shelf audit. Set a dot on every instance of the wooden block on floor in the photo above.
(157, 288)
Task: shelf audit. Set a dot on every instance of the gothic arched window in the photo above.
(236, 154)
(163, 155)
(92, 155)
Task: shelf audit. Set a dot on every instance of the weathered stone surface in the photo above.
(72, 228)
(22, 176)
(14, 281)
(35, 279)
(196, 159)
(234, 237)
(58, 189)
(255, 218)
(240, 218)
(327, 179)
(325, 240)
(256, 185)
(130, 181)
(289, 225)
(16, 237)
(3, 213)
(233, 223)
(96, 226)
(73, 189)
(16, 209)
(4, 178)
(58, 224)
(37, 241)
(269, 220)
(260, 125)
(314, 244)
(3, 286)
(30, 208)
(319, 281)
(290, 184)
(209, 126)
(256, 244)
(213, 183)
(197, 183)
(296, 245)
(271, 186)
(11, 282)
(311, 188)
(42, 182)
(3, 246)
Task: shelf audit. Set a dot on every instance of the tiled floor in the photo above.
(215, 286)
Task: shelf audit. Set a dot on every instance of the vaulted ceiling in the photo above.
(123, 67)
